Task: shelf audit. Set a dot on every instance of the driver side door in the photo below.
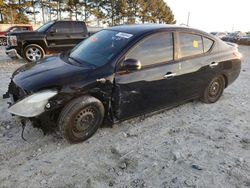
(153, 86)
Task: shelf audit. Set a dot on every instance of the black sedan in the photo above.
(244, 40)
(120, 73)
(233, 37)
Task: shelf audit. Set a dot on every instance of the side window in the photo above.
(78, 27)
(157, 48)
(190, 44)
(207, 44)
(14, 29)
(62, 27)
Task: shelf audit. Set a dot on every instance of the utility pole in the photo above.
(188, 19)
(42, 4)
(34, 11)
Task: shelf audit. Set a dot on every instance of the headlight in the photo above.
(13, 40)
(32, 105)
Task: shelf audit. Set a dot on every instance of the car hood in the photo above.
(50, 72)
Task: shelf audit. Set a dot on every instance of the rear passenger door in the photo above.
(79, 32)
(196, 64)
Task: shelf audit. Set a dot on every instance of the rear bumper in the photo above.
(235, 72)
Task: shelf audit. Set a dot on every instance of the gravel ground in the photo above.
(193, 145)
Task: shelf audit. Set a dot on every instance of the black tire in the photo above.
(214, 90)
(3, 42)
(33, 53)
(81, 118)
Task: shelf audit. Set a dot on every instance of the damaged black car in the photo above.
(120, 73)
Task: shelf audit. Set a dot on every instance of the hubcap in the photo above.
(214, 88)
(33, 54)
(84, 121)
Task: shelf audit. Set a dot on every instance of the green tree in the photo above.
(155, 11)
(115, 11)
(162, 13)
(88, 7)
(97, 10)
(71, 7)
(133, 10)
(12, 11)
(2, 6)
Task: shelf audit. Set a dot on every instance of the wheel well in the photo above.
(226, 80)
(36, 43)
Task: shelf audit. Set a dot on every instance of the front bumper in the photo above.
(12, 53)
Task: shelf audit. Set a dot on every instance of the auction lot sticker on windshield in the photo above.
(124, 35)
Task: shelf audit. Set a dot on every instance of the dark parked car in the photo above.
(219, 34)
(244, 40)
(15, 28)
(120, 73)
(53, 37)
(233, 37)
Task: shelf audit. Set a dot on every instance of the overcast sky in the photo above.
(213, 15)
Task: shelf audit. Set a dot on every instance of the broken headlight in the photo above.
(32, 105)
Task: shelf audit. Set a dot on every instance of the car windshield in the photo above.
(100, 48)
(45, 26)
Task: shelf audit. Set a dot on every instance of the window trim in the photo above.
(142, 40)
(210, 49)
(82, 25)
(58, 23)
(178, 59)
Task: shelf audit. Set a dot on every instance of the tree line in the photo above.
(109, 12)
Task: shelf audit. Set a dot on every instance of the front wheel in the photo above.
(3, 42)
(33, 53)
(214, 90)
(81, 118)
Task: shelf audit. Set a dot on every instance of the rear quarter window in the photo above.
(208, 43)
(78, 27)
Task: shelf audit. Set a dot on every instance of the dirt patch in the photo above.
(193, 145)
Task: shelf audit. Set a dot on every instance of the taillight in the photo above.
(238, 54)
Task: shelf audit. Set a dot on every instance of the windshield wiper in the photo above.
(76, 61)
(81, 63)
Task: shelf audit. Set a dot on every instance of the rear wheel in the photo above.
(214, 90)
(81, 118)
(33, 53)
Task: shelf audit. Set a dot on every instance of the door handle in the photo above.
(169, 75)
(212, 65)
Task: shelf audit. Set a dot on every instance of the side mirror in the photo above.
(53, 30)
(131, 65)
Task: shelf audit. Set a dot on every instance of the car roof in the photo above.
(145, 28)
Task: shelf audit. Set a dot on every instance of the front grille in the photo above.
(16, 92)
